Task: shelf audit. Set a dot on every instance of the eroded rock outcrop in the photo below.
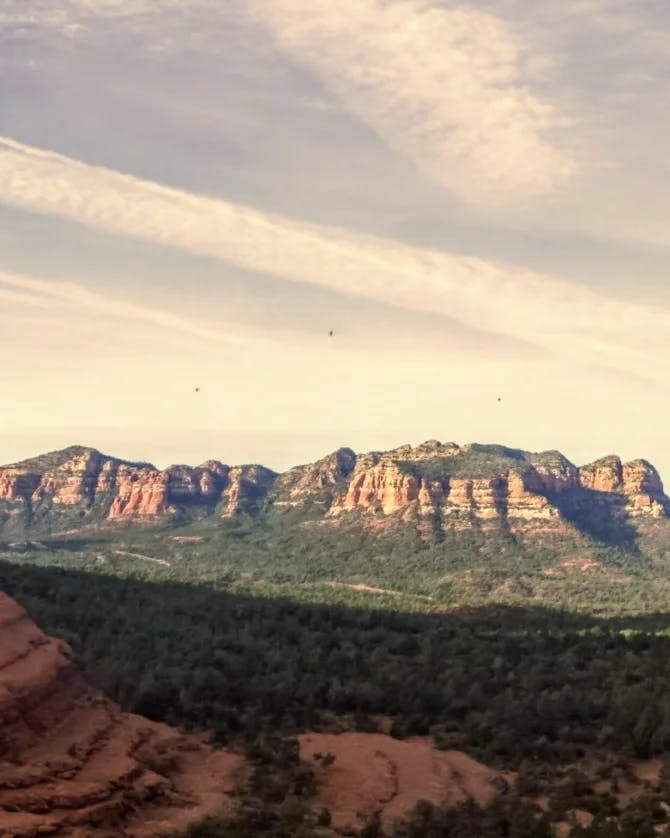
(72, 764)
(317, 482)
(555, 472)
(433, 480)
(378, 484)
(604, 475)
(139, 492)
(245, 490)
(79, 486)
(445, 485)
(637, 483)
(493, 486)
(372, 772)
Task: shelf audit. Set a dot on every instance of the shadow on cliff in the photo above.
(600, 515)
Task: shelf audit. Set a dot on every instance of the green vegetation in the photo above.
(54, 459)
(506, 684)
(478, 461)
(528, 653)
(279, 800)
(296, 555)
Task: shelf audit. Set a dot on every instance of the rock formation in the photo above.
(72, 764)
(372, 772)
(450, 486)
(80, 486)
(492, 486)
(316, 482)
(637, 482)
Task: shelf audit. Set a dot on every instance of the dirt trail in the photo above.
(373, 772)
(142, 558)
(372, 590)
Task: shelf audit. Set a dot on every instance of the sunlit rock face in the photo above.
(80, 486)
(489, 486)
(604, 475)
(432, 480)
(450, 486)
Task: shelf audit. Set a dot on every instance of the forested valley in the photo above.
(530, 689)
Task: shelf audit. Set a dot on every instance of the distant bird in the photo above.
(197, 389)
(499, 399)
(330, 333)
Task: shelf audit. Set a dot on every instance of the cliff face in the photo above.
(36, 679)
(245, 489)
(429, 483)
(317, 482)
(496, 487)
(80, 486)
(637, 483)
(71, 763)
(453, 487)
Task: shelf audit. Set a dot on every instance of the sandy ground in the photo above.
(374, 772)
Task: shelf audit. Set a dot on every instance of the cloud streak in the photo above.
(569, 320)
(450, 89)
(447, 88)
(45, 294)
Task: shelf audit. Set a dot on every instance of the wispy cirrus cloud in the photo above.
(39, 293)
(567, 319)
(449, 88)
(446, 87)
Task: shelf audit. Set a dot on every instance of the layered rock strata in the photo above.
(78, 486)
(72, 764)
(493, 486)
(453, 486)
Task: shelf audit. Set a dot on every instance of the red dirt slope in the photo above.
(72, 764)
(373, 772)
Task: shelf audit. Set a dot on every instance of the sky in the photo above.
(471, 196)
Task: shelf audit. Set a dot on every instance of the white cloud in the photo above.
(450, 89)
(565, 318)
(445, 87)
(44, 294)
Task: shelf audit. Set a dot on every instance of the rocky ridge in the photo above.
(71, 763)
(493, 486)
(80, 486)
(451, 486)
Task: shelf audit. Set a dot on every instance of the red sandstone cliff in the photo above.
(494, 486)
(456, 486)
(80, 485)
(72, 764)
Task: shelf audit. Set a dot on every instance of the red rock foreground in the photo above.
(72, 764)
(374, 772)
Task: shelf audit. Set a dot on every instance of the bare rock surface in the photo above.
(450, 486)
(72, 764)
(374, 772)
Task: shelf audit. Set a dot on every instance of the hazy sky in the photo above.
(472, 196)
